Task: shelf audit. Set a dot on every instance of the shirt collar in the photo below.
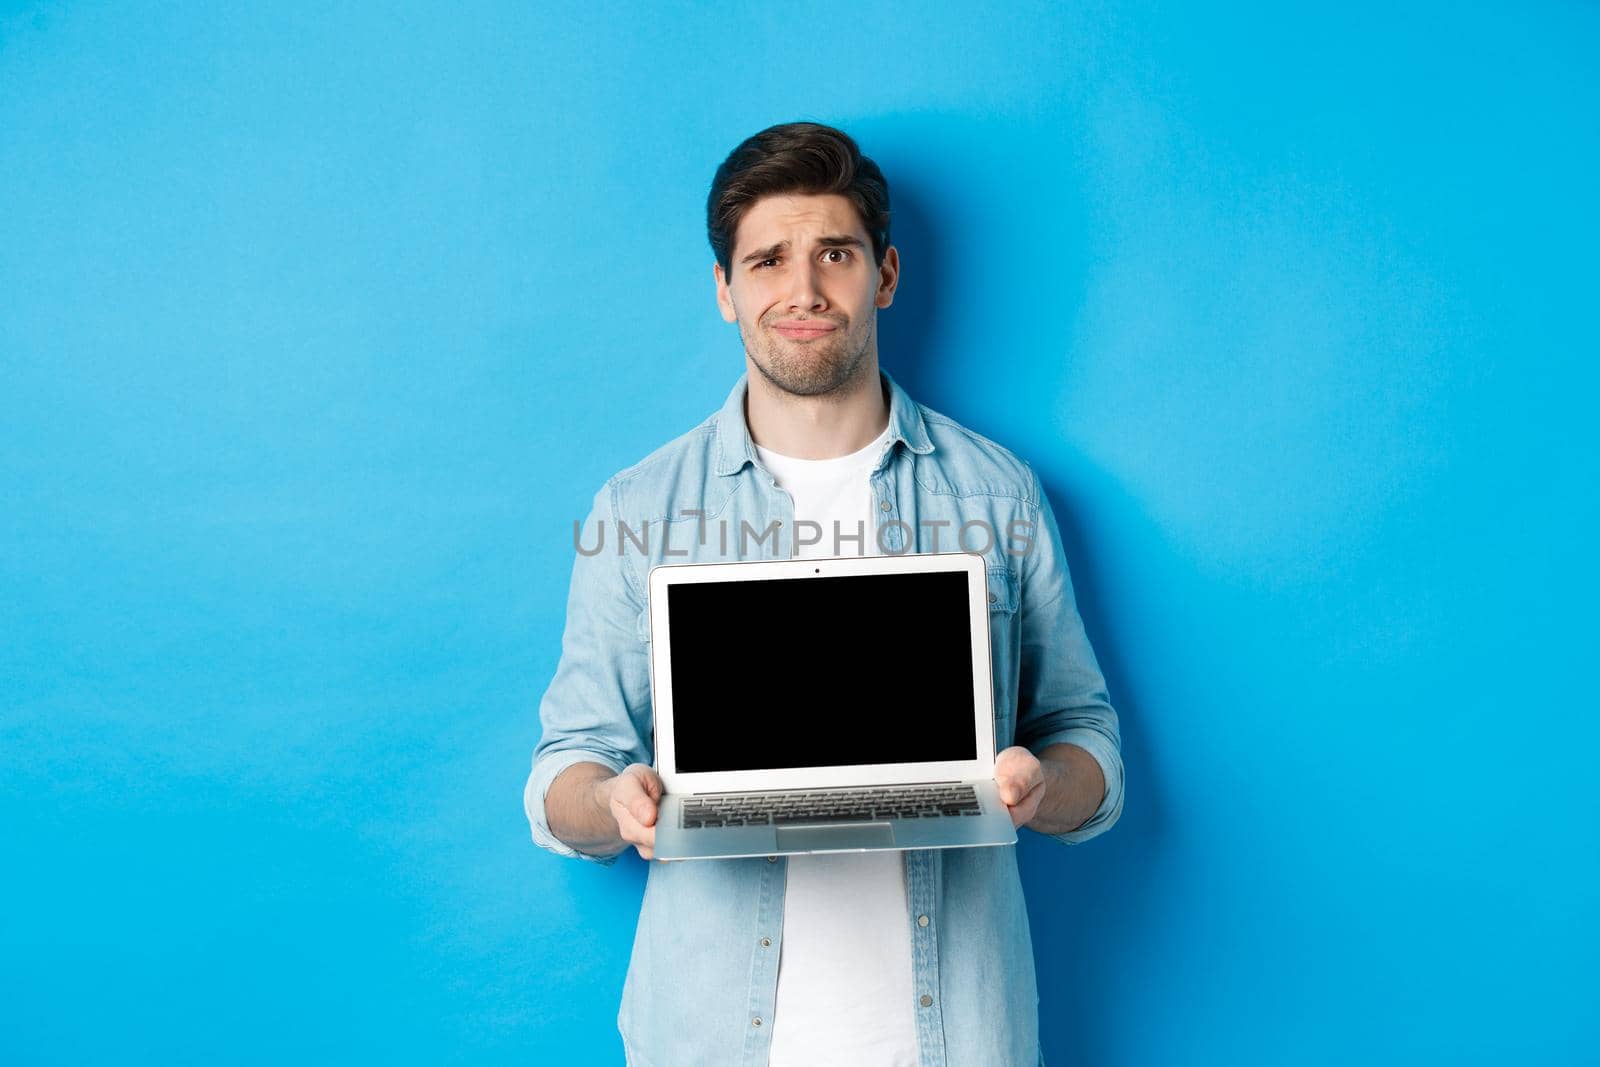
(734, 447)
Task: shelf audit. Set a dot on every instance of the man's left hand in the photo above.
(1020, 779)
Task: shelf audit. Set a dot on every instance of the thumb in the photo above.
(644, 807)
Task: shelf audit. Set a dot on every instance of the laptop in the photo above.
(840, 704)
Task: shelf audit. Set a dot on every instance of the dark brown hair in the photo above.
(795, 157)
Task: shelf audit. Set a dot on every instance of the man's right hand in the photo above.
(632, 798)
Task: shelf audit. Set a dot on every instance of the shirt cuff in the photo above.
(544, 772)
(1110, 760)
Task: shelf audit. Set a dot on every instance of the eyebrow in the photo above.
(841, 240)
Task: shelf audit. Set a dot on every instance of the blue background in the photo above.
(320, 325)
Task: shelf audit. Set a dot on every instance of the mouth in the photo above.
(804, 331)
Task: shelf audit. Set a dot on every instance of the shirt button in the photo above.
(993, 599)
(884, 505)
(926, 1000)
(772, 859)
(922, 920)
(766, 942)
(755, 1022)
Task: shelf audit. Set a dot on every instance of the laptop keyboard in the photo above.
(836, 805)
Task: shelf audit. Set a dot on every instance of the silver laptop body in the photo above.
(841, 704)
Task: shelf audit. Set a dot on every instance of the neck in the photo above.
(817, 427)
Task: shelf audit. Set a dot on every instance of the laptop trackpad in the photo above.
(809, 838)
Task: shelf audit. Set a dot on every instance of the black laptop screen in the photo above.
(821, 671)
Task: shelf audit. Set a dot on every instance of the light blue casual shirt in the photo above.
(702, 979)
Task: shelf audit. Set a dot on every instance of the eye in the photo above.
(844, 252)
(762, 265)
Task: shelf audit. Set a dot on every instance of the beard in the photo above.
(828, 364)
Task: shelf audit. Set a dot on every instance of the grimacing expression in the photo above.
(803, 288)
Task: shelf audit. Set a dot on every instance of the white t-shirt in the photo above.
(845, 989)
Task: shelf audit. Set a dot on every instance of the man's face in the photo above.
(805, 291)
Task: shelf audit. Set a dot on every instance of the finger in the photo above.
(630, 794)
(645, 812)
(1015, 756)
(650, 797)
(1023, 812)
(633, 831)
(1024, 766)
(1015, 791)
(625, 789)
(645, 776)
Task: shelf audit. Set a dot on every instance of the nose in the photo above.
(807, 292)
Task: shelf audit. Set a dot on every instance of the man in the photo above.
(895, 957)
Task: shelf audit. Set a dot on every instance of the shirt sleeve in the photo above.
(1061, 693)
(597, 707)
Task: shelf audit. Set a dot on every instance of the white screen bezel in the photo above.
(665, 574)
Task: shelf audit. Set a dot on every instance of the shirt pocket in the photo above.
(1002, 591)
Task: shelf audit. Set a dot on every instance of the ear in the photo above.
(888, 277)
(724, 297)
